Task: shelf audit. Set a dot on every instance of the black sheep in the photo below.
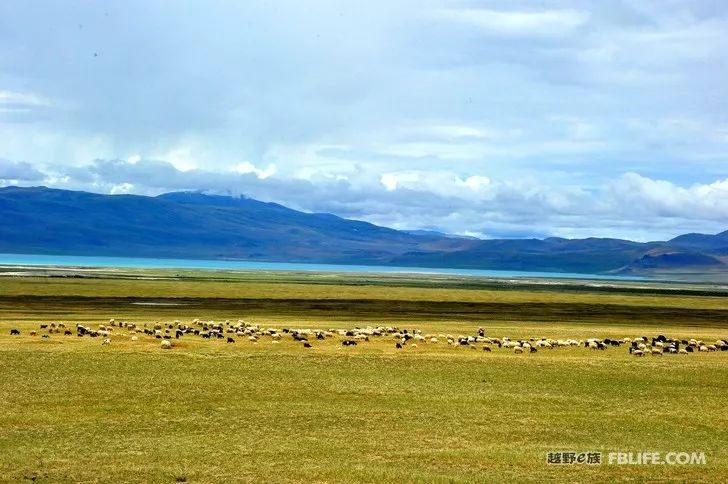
(230, 340)
(15, 332)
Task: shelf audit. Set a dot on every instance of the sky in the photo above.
(484, 118)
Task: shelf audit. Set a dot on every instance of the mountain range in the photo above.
(41, 220)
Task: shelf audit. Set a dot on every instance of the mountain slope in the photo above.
(702, 242)
(189, 225)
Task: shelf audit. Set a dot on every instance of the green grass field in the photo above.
(77, 411)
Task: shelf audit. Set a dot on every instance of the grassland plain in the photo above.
(77, 411)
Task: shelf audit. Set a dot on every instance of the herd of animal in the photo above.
(231, 332)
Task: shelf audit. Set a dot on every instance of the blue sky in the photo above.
(490, 118)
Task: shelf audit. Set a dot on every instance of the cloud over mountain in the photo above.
(488, 117)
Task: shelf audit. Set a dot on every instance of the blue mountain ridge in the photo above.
(196, 225)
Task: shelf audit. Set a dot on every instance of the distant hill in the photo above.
(194, 225)
(717, 244)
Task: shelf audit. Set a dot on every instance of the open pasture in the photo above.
(206, 410)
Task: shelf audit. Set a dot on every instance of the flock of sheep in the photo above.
(230, 332)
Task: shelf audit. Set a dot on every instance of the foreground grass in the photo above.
(76, 411)
(87, 413)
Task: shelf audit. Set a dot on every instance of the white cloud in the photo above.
(453, 132)
(635, 194)
(22, 99)
(548, 23)
(122, 188)
(262, 173)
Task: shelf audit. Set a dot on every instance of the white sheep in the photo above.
(166, 344)
(107, 341)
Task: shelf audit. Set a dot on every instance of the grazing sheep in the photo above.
(15, 332)
(166, 344)
(107, 341)
(230, 340)
(134, 338)
(348, 342)
(518, 350)
(487, 349)
(307, 345)
(433, 340)
(33, 333)
(398, 345)
(656, 351)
